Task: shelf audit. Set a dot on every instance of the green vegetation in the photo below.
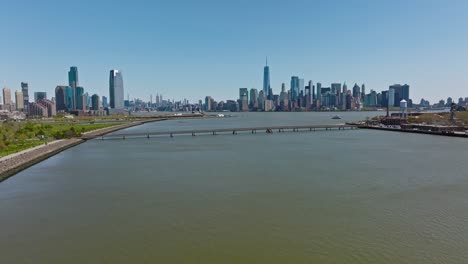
(18, 136)
(440, 118)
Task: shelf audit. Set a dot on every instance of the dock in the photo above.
(233, 131)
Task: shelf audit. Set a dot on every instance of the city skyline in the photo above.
(209, 50)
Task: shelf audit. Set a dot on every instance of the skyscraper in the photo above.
(73, 83)
(116, 90)
(244, 99)
(253, 98)
(266, 79)
(6, 97)
(19, 100)
(391, 97)
(61, 98)
(24, 90)
(104, 101)
(356, 91)
(95, 102)
(80, 103)
(294, 88)
(39, 96)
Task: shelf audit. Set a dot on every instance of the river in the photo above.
(352, 196)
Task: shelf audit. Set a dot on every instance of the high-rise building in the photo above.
(208, 101)
(19, 100)
(253, 98)
(116, 90)
(105, 102)
(391, 97)
(73, 82)
(244, 99)
(95, 102)
(401, 92)
(39, 96)
(356, 91)
(266, 79)
(319, 91)
(24, 90)
(80, 103)
(301, 87)
(294, 88)
(61, 97)
(6, 97)
(336, 88)
(363, 90)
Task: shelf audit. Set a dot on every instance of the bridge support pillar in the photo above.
(214, 133)
(171, 135)
(234, 132)
(147, 136)
(193, 134)
(123, 137)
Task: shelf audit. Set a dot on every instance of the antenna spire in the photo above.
(266, 61)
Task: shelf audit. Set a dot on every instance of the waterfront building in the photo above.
(284, 99)
(268, 106)
(294, 88)
(208, 100)
(253, 99)
(6, 98)
(244, 99)
(356, 91)
(383, 101)
(266, 79)
(319, 91)
(391, 97)
(39, 96)
(261, 100)
(116, 90)
(19, 100)
(401, 92)
(301, 87)
(95, 105)
(24, 90)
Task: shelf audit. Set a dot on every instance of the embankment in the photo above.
(12, 164)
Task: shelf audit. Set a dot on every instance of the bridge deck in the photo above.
(214, 131)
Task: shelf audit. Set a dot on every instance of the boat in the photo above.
(336, 117)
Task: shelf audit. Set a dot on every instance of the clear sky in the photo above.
(190, 49)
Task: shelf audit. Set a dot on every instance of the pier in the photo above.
(233, 131)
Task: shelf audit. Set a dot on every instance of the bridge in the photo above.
(216, 131)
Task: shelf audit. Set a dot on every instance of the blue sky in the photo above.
(190, 49)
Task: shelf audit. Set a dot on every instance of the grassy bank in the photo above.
(439, 118)
(18, 136)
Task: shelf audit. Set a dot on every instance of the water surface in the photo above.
(353, 196)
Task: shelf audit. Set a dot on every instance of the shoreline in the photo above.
(415, 131)
(14, 163)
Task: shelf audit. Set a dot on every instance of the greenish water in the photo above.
(353, 196)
